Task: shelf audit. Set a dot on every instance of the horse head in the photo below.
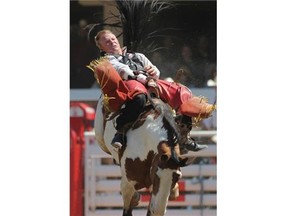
(166, 167)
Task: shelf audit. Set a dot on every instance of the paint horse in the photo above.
(150, 159)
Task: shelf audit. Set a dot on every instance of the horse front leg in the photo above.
(130, 197)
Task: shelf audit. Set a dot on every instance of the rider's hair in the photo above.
(98, 35)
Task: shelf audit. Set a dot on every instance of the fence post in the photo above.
(81, 119)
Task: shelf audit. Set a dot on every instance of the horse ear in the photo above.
(186, 160)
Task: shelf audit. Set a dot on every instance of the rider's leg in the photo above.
(187, 143)
(129, 114)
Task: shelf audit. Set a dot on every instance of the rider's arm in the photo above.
(153, 70)
(124, 70)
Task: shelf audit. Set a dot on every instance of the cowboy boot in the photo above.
(119, 139)
(192, 145)
(187, 143)
(120, 136)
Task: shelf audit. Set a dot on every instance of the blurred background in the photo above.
(186, 39)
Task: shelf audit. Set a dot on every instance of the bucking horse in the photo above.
(150, 158)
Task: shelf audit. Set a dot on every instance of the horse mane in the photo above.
(169, 120)
(168, 117)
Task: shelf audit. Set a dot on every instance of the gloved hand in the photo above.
(141, 78)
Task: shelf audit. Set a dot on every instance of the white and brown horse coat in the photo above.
(150, 159)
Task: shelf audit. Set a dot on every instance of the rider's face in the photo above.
(109, 43)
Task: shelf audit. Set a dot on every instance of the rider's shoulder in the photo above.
(140, 55)
(111, 57)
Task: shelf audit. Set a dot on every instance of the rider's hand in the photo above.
(150, 70)
(141, 78)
